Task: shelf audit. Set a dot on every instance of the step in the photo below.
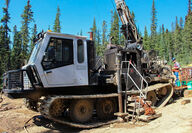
(134, 105)
(147, 118)
(118, 114)
(141, 110)
(130, 99)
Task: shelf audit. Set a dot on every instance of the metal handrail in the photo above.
(136, 85)
(143, 79)
(126, 80)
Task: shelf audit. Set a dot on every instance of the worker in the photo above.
(51, 51)
(176, 69)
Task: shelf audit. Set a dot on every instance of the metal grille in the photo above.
(27, 83)
(15, 79)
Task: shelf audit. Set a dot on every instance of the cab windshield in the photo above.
(34, 52)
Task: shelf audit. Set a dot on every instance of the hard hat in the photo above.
(173, 59)
(49, 30)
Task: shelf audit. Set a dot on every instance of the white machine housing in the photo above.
(69, 48)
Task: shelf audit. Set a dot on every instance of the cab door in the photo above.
(81, 67)
(58, 62)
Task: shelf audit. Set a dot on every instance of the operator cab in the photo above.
(63, 60)
(57, 61)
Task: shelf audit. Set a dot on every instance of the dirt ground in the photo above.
(176, 118)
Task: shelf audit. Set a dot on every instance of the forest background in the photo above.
(16, 43)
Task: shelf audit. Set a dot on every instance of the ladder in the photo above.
(126, 66)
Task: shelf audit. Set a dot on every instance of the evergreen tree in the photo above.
(98, 38)
(94, 30)
(57, 26)
(158, 42)
(2, 53)
(181, 23)
(16, 54)
(133, 16)
(34, 33)
(99, 47)
(81, 33)
(162, 50)
(187, 35)
(6, 39)
(172, 27)
(104, 33)
(146, 41)
(122, 39)
(27, 17)
(154, 27)
(114, 31)
(177, 41)
(169, 45)
(189, 7)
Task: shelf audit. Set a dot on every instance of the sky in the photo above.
(77, 15)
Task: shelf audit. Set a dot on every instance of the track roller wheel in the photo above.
(151, 96)
(81, 110)
(106, 108)
(56, 108)
(30, 104)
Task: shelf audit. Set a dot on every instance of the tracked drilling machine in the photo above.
(63, 81)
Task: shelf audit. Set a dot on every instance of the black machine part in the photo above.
(16, 83)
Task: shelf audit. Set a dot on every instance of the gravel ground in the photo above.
(176, 118)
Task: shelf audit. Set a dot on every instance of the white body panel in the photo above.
(70, 75)
(62, 76)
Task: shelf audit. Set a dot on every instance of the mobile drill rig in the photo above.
(65, 83)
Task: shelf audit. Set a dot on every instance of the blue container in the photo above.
(184, 83)
(189, 85)
(178, 83)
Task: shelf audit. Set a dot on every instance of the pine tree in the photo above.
(57, 26)
(98, 38)
(122, 39)
(2, 53)
(189, 7)
(158, 42)
(162, 50)
(133, 16)
(154, 27)
(169, 43)
(16, 54)
(94, 30)
(181, 23)
(81, 33)
(27, 17)
(99, 47)
(177, 40)
(146, 42)
(104, 33)
(34, 33)
(114, 31)
(6, 38)
(187, 35)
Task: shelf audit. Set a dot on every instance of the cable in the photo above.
(25, 125)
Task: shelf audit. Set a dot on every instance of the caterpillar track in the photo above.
(160, 94)
(59, 108)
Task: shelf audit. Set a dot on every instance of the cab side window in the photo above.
(80, 51)
(58, 53)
